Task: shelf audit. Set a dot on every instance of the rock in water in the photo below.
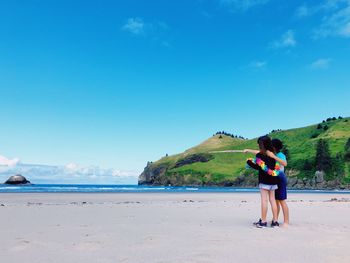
(17, 179)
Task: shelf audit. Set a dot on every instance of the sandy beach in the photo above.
(164, 227)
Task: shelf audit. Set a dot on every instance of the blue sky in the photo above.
(115, 84)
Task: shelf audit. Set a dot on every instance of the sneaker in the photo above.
(255, 223)
(261, 224)
(274, 223)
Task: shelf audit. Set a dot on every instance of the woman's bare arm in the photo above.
(272, 155)
(251, 151)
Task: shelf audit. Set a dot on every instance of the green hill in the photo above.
(198, 166)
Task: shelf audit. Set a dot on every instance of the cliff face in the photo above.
(157, 175)
(200, 166)
(153, 174)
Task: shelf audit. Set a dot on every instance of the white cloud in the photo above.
(321, 63)
(334, 18)
(336, 23)
(70, 173)
(137, 26)
(206, 14)
(287, 40)
(243, 5)
(258, 64)
(72, 167)
(345, 30)
(134, 25)
(304, 11)
(165, 43)
(120, 173)
(332, 4)
(4, 161)
(156, 31)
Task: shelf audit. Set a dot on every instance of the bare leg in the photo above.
(278, 202)
(273, 205)
(285, 210)
(263, 195)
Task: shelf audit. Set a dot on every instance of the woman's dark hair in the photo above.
(277, 144)
(265, 144)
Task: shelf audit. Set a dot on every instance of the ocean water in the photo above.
(77, 188)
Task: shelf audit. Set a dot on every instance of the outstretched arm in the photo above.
(272, 155)
(251, 151)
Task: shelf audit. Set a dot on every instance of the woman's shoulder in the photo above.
(268, 160)
(281, 155)
(259, 155)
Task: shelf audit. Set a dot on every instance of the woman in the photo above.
(267, 183)
(281, 192)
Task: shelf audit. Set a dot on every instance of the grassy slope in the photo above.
(229, 165)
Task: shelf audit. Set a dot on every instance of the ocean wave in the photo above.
(10, 187)
(46, 188)
(192, 189)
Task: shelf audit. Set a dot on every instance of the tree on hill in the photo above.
(338, 165)
(347, 151)
(347, 145)
(285, 150)
(308, 166)
(315, 134)
(331, 119)
(229, 134)
(323, 157)
(276, 130)
(319, 127)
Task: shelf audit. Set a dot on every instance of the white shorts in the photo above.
(268, 187)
